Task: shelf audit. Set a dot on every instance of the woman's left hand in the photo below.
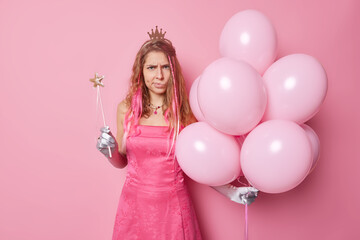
(242, 195)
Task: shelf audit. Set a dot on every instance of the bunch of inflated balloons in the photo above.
(251, 111)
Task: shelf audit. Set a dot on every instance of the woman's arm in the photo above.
(107, 141)
(118, 158)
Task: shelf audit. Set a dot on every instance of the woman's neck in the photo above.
(157, 100)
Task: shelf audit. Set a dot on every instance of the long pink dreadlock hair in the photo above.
(176, 108)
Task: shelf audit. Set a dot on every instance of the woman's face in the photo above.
(156, 72)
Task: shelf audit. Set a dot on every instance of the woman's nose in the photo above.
(159, 74)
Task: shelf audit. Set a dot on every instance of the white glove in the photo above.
(105, 141)
(242, 195)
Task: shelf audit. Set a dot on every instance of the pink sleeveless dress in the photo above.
(154, 203)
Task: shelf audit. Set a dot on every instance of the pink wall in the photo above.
(56, 185)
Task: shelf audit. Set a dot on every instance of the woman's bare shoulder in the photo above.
(122, 108)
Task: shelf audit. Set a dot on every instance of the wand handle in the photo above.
(102, 111)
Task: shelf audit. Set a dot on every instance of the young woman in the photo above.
(154, 202)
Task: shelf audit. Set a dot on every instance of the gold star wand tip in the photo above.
(97, 80)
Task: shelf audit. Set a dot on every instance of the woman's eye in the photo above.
(166, 67)
(151, 68)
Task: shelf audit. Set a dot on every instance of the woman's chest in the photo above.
(154, 120)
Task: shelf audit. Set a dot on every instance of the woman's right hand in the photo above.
(106, 141)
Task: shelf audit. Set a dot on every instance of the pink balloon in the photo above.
(315, 144)
(249, 36)
(207, 155)
(193, 99)
(276, 156)
(296, 86)
(231, 96)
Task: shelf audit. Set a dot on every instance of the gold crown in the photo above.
(156, 34)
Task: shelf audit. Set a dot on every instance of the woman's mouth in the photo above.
(159, 85)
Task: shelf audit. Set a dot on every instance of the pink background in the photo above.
(56, 185)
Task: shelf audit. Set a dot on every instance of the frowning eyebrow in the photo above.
(154, 65)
